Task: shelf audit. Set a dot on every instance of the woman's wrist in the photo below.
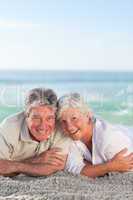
(110, 166)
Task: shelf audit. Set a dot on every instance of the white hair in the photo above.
(72, 100)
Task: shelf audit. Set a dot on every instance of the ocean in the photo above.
(108, 94)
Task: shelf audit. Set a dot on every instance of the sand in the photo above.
(66, 186)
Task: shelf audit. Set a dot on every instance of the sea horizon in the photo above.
(109, 94)
(65, 75)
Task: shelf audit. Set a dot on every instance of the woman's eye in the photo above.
(36, 119)
(74, 118)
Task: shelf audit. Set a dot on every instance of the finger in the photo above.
(55, 162)
(129, 156)
(58, 163)
(58, 157)
(131, 168)
(56, 168)
(55, 149)
(122, 152)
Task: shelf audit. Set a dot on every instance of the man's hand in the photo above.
(53, 156)
(46, 163)
(122, 163)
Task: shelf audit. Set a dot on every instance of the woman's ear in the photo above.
(89, 117)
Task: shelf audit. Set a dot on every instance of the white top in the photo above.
(107, 140)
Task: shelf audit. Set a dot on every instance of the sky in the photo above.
(66, 34)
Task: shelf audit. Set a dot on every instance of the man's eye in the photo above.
(35, 118)
(51, 118)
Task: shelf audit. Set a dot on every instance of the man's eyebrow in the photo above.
(36, 115)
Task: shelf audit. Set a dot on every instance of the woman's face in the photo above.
(74, 123)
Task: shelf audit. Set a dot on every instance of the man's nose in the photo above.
(43, 124)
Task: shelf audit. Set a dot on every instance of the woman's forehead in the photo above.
(70, 112)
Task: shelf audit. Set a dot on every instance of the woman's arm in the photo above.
(118, 163)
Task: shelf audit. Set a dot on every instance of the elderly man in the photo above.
(27, 137)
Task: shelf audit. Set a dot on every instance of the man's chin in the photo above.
(42, 137)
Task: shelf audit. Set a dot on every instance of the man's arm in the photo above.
(50, 156)
(46, 163)
(40, 169)
(119, 163)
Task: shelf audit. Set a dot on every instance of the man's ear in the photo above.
(26, 114)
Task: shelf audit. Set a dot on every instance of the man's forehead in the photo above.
(42, 109)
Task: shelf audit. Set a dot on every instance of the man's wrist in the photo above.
(20, 167)
(34, 169)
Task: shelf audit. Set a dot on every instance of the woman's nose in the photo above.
(70, 126)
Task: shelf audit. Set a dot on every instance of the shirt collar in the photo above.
(98, 129)
(24, 133)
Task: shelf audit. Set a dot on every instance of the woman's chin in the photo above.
(76, 136)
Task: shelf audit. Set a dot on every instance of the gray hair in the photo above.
(40, 96)
(72, 100)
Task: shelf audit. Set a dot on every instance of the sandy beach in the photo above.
(66, 186)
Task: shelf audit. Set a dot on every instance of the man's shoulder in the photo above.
(12, 123)
(59, 136)
(61, 141)
(15, 118)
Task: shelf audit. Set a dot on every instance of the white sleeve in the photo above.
(75, 160)
(117, 142)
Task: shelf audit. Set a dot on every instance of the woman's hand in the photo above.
(122, 163)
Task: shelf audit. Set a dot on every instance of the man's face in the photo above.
(41, 122)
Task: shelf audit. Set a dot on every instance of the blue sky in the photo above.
(69, 34)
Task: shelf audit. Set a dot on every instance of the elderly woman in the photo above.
(98, 141)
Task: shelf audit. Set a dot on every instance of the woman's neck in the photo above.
(87, 137)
